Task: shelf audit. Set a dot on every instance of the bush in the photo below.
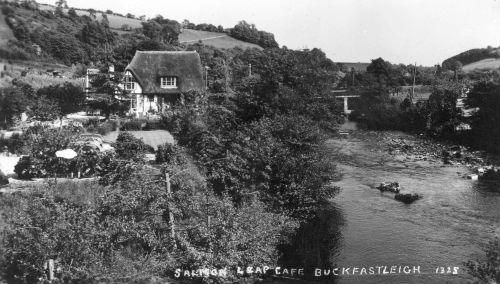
(153, 125)
(132, 125)
(107, 127)
(14, 143)
(3, 179)
(487, 271)
(124, 229)
(6, 10)
(130, 148)
(171, 154)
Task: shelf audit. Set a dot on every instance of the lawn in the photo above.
(151, 137)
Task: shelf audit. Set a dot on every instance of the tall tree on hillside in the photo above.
(163, 30)
(245, 31)
(92, 13)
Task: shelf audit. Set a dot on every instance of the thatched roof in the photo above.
(149, 66)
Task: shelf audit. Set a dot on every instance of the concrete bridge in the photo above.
(342, 94)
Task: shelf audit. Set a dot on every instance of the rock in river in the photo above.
(407, 198)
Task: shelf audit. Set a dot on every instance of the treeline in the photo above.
(249, 33)
(186, 24)
(448, 113)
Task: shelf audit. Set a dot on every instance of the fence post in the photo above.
(170, 214)
(49, 269)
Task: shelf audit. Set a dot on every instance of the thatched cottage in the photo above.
(156, 79)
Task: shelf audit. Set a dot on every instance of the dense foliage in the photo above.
(487, 271)
(249, 33)
(485, 95)
(45, 104)
(461, 107)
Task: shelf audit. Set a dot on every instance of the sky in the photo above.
(400, 31)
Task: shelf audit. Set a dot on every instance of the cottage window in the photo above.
(151, 98)
(168, 82)
(129, 82)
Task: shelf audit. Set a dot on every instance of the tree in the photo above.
(97, 34)
(246, 32)
(381, 71)
(69, 98)
(163, 30)
(92, 13)
(72, 13)
(60, 5)
(130, 148)
(13, 102)
(453, 65)
(485, 96)
(44, 109)
(105, 21)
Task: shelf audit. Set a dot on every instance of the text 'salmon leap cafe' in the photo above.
(317, 272)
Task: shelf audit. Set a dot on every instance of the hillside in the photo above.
(218, 40)
(477, 58)
(485, 64)
(5, 32)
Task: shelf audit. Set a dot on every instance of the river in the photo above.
(451, 224)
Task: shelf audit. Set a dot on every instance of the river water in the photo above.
(450, 225)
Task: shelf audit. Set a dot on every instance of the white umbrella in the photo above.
(66, 154)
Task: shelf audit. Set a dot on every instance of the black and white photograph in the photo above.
(265, 141)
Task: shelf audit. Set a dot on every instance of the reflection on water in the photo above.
(316, 243)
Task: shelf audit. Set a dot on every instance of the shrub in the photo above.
(107, 127)
(6, 10)
(3, 179)
(153, 125)
(487, 271)
(14, 143)
(132, 125)
(130, 148)
(171, 154)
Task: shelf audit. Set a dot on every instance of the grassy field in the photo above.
(488, 64)
(218, 40)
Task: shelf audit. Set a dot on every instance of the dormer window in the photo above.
(169, 82)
